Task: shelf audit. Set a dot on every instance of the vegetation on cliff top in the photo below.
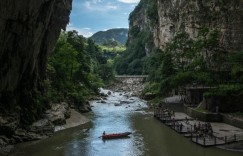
(118, 35)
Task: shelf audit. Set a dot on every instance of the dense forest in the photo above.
(76, 69)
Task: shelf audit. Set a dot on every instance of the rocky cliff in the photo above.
(163, 18)
(28, 32)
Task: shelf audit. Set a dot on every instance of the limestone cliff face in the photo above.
(191, 16)
(28, 32)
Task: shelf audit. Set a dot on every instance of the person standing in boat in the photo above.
(104, 133)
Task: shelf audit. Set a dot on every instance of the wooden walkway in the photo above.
(208, 134)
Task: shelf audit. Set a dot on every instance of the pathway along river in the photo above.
(150, 137)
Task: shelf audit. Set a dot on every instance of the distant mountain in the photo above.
(120, 35)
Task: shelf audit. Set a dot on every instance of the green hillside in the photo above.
(119, 35)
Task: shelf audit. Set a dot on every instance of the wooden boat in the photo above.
(116, 135)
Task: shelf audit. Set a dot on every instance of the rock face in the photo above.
(58, 113)
(165, 17)
(28, 32)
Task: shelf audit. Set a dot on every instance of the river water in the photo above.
(149, 136)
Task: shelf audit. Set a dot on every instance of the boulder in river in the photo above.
(102, 101)
(95, 98)
(103, 95)
(125, 102)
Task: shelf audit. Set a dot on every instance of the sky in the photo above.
(90, 16)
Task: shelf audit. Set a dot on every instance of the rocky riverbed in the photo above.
(135, 86)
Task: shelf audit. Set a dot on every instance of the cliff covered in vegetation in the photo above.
(179, 43)
(165, 18)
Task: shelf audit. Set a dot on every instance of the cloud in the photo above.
(86, 32)
(129, 1)
(99, 5)
(112, 7)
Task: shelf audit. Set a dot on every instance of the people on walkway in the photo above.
(200, 129)
(195, 127)
(181, 126)
(187, 121)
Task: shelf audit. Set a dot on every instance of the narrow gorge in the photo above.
(191, 50)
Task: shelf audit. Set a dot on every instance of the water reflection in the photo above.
(149, 138)
(114, 119)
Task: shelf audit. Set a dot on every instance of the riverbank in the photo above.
(75, 119)
(148, 137)
(225, 135)
(60, 117)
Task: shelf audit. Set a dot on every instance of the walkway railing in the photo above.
(202, 135)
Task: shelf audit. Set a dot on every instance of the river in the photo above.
(149, 136)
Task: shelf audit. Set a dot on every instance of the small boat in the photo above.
(116, 135)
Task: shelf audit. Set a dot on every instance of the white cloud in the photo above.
(98, 5)
(112, 7)
(86, 32)
(129, 1)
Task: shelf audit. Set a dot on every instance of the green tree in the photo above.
(75, 69)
